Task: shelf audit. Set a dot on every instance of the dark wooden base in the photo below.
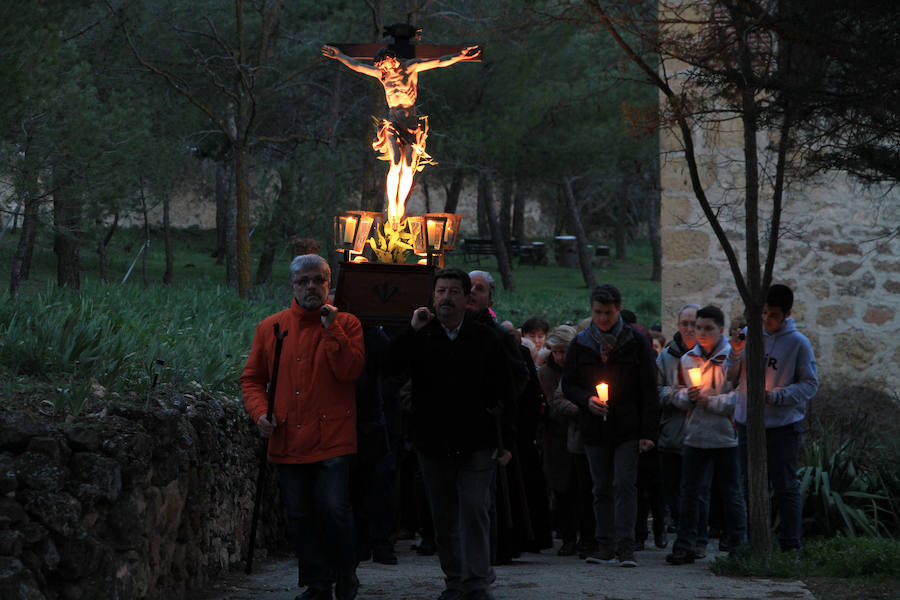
(382, 293)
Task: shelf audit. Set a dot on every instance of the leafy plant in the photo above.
(839, 497)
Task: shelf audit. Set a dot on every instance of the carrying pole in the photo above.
(264, 451)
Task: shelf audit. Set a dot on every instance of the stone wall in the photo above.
(129, 503)
(838, 250)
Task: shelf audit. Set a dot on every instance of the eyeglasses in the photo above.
(305, 281)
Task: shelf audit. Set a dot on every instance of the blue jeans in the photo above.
(698, 466)
(320, 519)
(614, 476)
(459, 490)
(783, 456)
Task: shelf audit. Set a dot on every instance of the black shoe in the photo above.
(585, 549)
(700, 550)
(315, 594)
(479, 595)
(426, 548)
(346, 587)
(659, 540)
(680, 557)
(567, 549)
(384, 554)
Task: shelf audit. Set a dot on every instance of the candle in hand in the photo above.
(696, 376)
(603, 395)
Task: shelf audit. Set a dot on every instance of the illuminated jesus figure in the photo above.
(401, 136)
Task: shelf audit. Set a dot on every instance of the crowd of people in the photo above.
(472, 438)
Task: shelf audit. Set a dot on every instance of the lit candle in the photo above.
(603, 395)
(435, 231)
(696, 376)
(349, 229)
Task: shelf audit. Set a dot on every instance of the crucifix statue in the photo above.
(401, 136)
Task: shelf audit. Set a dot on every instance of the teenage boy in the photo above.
(791, 380)
(618, 427)
(710, 442)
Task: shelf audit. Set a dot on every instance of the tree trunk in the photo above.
(223, 195)
(21, 264)
(506, 193)
(584, 257)
(241, 160)
(503, 263)
(273, 236)
(484, 228)
(66, 237)
(518, 223)
(453, 191)
(145, 279)
(167, 240)
(102, 243)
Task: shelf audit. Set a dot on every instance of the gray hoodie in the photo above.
(791, 375)
(712, 426)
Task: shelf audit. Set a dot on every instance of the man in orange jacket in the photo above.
(312, 434)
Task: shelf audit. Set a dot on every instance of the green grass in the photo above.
(841, 557)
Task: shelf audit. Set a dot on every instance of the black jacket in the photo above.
(458, 386)
(630, 372)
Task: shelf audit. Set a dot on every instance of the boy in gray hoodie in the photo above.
(710, 442)
(791, 381)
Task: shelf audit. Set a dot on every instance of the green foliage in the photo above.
(840, 496)
(850, 557)
(118, 336)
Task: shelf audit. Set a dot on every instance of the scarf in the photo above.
(605, 341)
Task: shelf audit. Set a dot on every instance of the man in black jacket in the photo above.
(460, 383)
(617, 427)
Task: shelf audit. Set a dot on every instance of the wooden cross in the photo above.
(403, 33)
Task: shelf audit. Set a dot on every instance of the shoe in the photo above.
(626, 559)
(680, 557)
(346, 587)
(567, 549)
(450, 595)
(585, 549)
(700, 550)
(482, 594)
(601, 556)
(384, 554)
(659, 540)
(639, 546)
(315, 594)
(426, 548)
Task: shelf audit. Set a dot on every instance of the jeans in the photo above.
(783, 456)
(614, 475)
(320, 519)
(670, 465)
(459, 491)
(697, 470)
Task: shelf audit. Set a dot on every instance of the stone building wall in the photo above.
(129, 504)
(839, 251)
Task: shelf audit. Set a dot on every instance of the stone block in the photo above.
(879, 315)
(845, 268)
(840, 248)
(685, 244)
(58, 511)
(857, 349)
(675, 210)
(96, 476)
(685, 281)
(892, 286)
(829, 315)
(885, 266)
(37, 473)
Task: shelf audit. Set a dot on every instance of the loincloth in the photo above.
(410, 131)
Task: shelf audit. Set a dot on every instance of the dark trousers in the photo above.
(575, 505)
(459, 490)
(783, 456)
(320, 519)
(614, 475)
(697, 470)
(670, 465)
(650, 497)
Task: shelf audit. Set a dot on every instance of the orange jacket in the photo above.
(315, 405)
